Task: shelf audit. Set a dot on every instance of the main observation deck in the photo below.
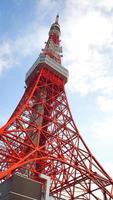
(46, 61)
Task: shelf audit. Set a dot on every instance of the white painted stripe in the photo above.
(23, 196)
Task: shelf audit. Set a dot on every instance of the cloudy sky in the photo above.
(87, 41)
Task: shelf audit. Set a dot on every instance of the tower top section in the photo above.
(52, 48)
(51, 54)
(55, 28)
(57, 19)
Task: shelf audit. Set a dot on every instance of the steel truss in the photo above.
(41, 137)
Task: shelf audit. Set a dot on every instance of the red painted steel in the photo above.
(41, 137)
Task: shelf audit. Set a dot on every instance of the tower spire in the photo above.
(52, 48)
(57, 18)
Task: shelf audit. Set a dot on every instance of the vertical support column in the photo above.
(105, 197)
(46, 182)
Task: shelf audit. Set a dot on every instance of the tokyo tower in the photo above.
(41, 137)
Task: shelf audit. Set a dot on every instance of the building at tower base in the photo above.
(19, 187)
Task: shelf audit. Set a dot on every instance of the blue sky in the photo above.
(87, 40)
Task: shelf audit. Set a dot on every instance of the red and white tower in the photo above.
(41, 137)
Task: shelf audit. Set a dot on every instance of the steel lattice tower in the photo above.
(41, 136)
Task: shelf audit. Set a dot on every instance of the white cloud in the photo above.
(33, 37)
(109, 168)
(105, 103)
(47, 7)
(6, 56)
(103, 129)
(105, 84)
(106, 4)
(24, 45)
(87, 35)
(102, 138)
(31, 42)
(90, 74)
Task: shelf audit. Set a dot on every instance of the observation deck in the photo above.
(47, 62)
